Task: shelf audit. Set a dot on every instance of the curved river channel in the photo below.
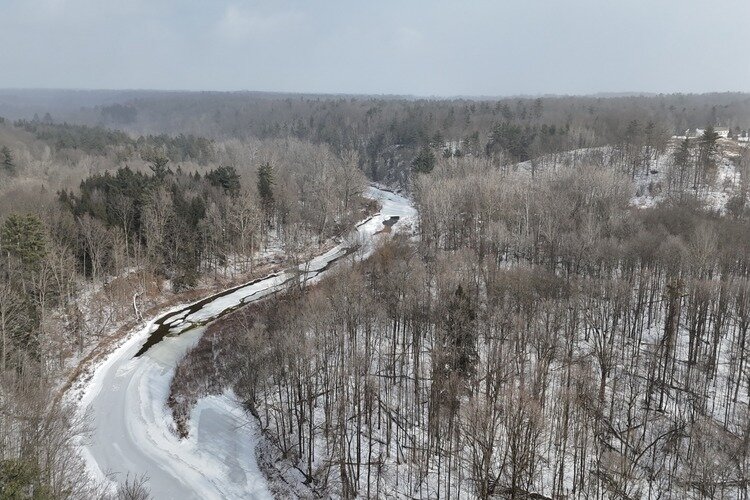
(125, 400)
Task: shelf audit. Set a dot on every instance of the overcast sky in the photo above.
(437, 47)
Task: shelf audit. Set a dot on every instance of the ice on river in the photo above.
(125, 400)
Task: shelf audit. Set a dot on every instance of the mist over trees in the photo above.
(388, 132)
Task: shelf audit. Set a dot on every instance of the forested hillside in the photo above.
(388, 132)
(97, 228)
(541, 338)
(569, 318)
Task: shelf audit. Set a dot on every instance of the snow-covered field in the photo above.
(125, 399)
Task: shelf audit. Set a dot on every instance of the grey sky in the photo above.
(437, 47)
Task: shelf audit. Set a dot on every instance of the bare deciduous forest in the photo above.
(568, 320)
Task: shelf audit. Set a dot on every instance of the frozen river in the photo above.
(125, 400)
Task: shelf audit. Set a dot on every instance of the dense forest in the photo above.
(99, 227)
(569, 319)
(388, 131)
(542, 338)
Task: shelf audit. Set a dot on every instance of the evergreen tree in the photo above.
(460, 339)
(708, 139)
(438, 141)
(425, 161)
(706, 151)
(8, 160)
(23, 237)
(226, 178)
(455, 356)
(159, 166)
(538, 108)
(22, 479)
(509, 138)
(265, 185)
(682, 157)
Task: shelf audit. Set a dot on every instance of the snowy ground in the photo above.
(650, 187)
(125, 400)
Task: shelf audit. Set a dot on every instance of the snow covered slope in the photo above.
(651, 187)
(125, 399)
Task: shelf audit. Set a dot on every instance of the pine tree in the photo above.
(8, 160)
(459, 341)
(707, 148)
(159, 166)
(226, 178)
(682, 157)
(459, 325)
(265, 184)
(425, 161)
(455, 356)
(23, 237)
(438, 141)
(709, 138)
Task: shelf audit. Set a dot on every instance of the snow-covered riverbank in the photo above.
(125, 399)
